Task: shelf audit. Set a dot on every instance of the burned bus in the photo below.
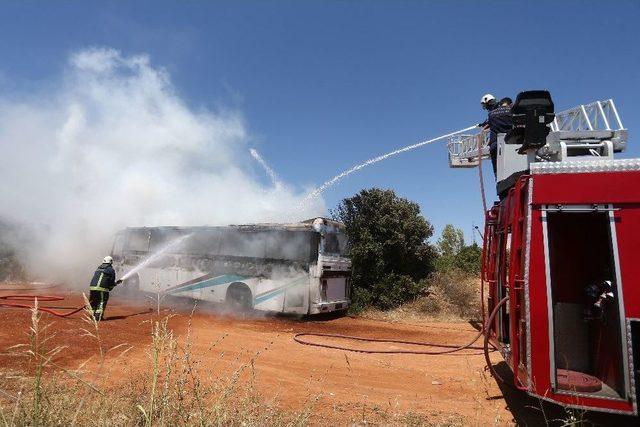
(298, 268)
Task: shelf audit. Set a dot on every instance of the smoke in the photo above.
(111, 145)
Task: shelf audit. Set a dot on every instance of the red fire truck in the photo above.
(561, 255)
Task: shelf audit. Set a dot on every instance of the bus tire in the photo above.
(239, 297)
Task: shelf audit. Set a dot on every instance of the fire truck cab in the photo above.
(561, 254)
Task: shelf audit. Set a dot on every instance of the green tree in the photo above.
(451, 242)
(389, 249)
(468, 259)
(453, 254)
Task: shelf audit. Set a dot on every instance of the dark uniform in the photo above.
(499, 121)
(103, 281)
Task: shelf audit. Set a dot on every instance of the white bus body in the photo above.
(290, 268)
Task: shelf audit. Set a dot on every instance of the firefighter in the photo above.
(103, 281)
(498, 121)
(506, 102)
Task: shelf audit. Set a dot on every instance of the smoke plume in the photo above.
(112, 145)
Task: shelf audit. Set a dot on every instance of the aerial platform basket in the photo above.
(463, 149)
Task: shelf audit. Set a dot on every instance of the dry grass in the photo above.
(451, 296)
(169, 389)
(378, 416)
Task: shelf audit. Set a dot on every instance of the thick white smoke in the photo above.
(114, 145)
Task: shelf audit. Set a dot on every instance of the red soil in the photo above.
(349, 383)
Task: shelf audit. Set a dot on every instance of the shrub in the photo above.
(454, 254)
(389, 249)
(451, 293)
(10, 267)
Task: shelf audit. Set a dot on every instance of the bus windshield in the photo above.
(334, 242)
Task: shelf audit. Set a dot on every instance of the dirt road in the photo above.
(350, 387)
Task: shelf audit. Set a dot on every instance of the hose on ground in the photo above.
(450, 348)
(5, 301)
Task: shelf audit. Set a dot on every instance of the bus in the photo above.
(300, 268)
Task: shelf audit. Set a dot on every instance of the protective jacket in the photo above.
(499, 121)
(104, 279)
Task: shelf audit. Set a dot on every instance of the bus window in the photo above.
(205, 242)
(288, 245)
(243, 244)
(343, 243)
(334, 242)
(161, 237)
(138, 240)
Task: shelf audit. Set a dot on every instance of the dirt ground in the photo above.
(349, 387)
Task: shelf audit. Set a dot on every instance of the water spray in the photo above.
(315, 193)
(273, 176)
(155, 256)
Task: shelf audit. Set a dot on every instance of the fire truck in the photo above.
(561, 253)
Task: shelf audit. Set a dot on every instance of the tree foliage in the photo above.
(389, 248)
(453, 254)
(451, 242)
(10, 266)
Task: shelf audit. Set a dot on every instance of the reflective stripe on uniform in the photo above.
(98, 288)
(100, 308)
(100, 279)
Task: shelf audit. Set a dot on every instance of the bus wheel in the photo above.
(239, 297)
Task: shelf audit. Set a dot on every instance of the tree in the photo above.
(10, 266)
(389, 249)
(454, 254)
(451, 242)
(468, 259)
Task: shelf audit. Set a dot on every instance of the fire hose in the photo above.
(5, 301)
(450, 348)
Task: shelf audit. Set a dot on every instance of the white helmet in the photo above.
(486, 99)
(107, 260)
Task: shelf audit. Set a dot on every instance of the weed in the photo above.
(172, 393)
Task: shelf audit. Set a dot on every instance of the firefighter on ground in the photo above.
(104, 280)
(498, 121)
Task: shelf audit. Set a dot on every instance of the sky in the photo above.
(324, 85)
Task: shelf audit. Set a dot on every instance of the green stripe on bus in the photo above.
(215, 281)
(274, 292)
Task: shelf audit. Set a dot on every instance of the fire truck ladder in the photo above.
(599, 115)
(583, 122)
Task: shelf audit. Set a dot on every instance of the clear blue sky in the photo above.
(326, 84)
